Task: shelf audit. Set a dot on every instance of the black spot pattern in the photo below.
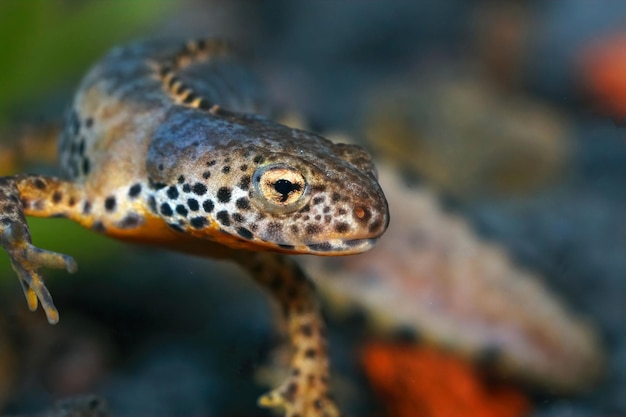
(190, 98)
(172, 192)
(223, 217)
(198, 222)
(244, 182)
(98, 227)
(375, 225)
(243, 203)
(182, 210)
(342, 227)
(312, 229)
(130, 221)
(134, 191)
(208, 206)
(110, 203)
(245, 233)
(223, 195)
(39, 184)
(321, 247)
(204, 104)
(199, 188)
(166, 210)
(193, 204)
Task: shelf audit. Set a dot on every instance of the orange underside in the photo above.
(418, 381)
(209, 242)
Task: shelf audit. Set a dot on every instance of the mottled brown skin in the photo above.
(165, 145)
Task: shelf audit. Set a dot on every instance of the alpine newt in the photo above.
(168, 143)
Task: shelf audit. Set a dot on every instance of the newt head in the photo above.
(251, 183)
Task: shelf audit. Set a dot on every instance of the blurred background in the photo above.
(499, 131)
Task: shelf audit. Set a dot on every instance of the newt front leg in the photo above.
(15, 238)
(305, 391)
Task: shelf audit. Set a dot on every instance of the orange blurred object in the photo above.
(417, 381)
(604, 73)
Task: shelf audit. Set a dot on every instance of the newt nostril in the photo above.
(362, 214)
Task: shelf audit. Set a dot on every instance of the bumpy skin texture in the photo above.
(166, 144)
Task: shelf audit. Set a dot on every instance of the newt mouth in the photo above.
(340, 247)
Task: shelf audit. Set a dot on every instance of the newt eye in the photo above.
(280, 187)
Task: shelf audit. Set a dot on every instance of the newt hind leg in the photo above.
(36, 195)
(305, 391)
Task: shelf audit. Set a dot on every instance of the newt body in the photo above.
(166, 144)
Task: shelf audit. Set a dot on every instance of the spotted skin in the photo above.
(305, 391)
(168, 143)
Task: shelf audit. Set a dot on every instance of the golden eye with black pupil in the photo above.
(279, 188)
